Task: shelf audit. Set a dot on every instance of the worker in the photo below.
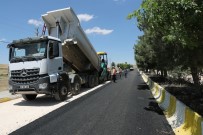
(126, 72)
(103, 64)
(113, 74)
(103, 69)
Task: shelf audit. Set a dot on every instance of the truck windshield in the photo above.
(28, 52)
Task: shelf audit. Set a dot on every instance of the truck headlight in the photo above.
(43, 86)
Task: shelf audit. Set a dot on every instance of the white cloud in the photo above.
(2, 39)
(85, 17)
(98, 30)
(36, 23)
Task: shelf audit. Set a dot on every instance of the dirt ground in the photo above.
(3, 77)
(184, 91)
(3, 84)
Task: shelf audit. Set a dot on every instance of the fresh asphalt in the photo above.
(122, 108)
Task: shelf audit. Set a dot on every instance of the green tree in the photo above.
(174, 31)
(144, 55)
(124, 65)
(113, 64)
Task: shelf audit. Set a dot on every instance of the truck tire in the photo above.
(96, 80)
(62, 93)
(91, 81)
(29, 97)
(76, 87)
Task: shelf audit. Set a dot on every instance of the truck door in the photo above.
(55, 60)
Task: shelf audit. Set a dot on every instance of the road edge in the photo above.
(182, 119)
(6, 99)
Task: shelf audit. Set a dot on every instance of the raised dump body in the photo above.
(77, 49)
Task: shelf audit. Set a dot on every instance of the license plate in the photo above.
(24, 86)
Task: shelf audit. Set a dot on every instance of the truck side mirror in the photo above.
(10, 53)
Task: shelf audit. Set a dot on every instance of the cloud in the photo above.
(98, 30)
(2, 39)
(85, 17)
(36, 23)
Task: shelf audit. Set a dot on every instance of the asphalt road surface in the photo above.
(122, 108)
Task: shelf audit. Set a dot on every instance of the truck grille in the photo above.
(25, 76)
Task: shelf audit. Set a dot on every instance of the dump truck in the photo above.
(55, 64)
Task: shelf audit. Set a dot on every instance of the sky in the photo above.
(104, 22)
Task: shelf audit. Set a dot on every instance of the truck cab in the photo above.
(36, 67)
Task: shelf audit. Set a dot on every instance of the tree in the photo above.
(174, 31)
(144, 55)
(113, 64)
(124, 65)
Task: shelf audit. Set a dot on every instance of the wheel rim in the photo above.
(64, 91)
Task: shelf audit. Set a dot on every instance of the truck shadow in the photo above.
(39, 101)
(46, 100)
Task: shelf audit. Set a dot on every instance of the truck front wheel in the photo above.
(76, 87)
(29, 97)
(62, 93)
(96, 80)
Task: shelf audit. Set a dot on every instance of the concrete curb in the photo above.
(182, 119)
(5, 99)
